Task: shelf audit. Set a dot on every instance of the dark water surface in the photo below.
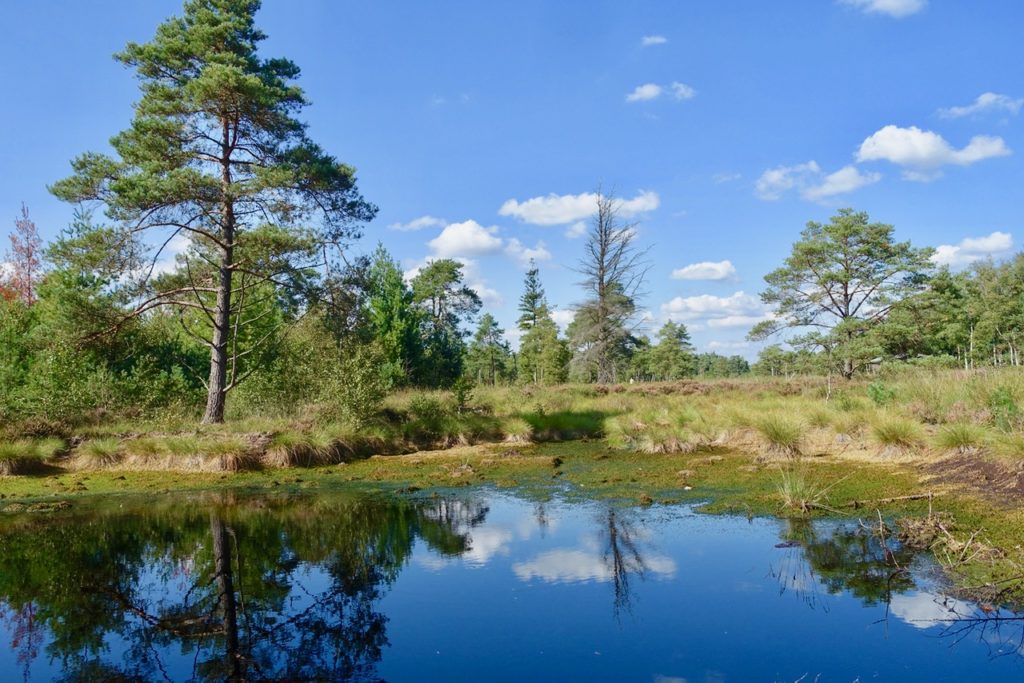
(477, 586)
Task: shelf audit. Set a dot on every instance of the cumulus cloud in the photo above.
(167, 261)
(774, 182)
(705, 270)
(811, 181)
(524, 254)
(563, 209)
(736, 310)
(893, 8)
(419, 224)
(577, 229)
(468, 238)
(563, 317)
(652, 91)
(648, 41)
(922, 153)
(846, 179)
(972, 249)
(985, 102)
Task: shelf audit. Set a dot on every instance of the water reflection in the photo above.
(308, 588)
(267, 590)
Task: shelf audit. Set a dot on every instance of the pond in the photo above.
(473, 585)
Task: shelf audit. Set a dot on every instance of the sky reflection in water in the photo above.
(476, 586)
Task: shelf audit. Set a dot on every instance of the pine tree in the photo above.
(533, 299)
(215, 155)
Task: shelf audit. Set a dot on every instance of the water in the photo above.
(474, 586)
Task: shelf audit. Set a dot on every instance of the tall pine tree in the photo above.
(216, 157)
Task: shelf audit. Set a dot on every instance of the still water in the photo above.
(475, 585)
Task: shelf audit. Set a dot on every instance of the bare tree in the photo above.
(613, 271)
(25, 261)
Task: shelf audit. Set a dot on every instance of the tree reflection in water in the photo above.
(264, 590)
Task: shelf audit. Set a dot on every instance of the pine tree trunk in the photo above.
(227, 600)
(217, 386)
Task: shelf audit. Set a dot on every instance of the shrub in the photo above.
(881, 394)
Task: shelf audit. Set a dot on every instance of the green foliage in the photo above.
(462, 392)
(447, 304)
(1006, 414)
(881, 394)
(672, 357)
(215, 156)
(543, 357)
(489, 359)
(842, 278)
(897, 432)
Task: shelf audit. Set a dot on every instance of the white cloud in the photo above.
(892, 8)
(720, 178)
(973, 249)
(563, 317)
(524, 254)
(774, 182)
(811, 181)
(648, 41)
(647, 91)
(556, 209)
(6, 270)
(736, 310)
(167, 261)
(922, 152)
(577, 229)
(988, 101)
(846, 179)
(468, 238)
(569, 565)
(681, 91)
(485, 543)
(652, 91)
(705, 270)
(923, 610)
(419, 224)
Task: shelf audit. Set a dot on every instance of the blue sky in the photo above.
(723, 127)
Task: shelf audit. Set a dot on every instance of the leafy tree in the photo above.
(613, 271)
(717, 365)
(24, 261)
(393, 318)
(533, 301)
(448, 303)
(543, 357)
(840, 281)
(215, 156)
(489, 358)
(672, 357)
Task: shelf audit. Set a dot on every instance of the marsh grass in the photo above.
(962, 437)
(28, 456)
(803, 493)
(897, 433)
(101, 453)
(782, 435)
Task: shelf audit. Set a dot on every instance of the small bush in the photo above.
(881, 394)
